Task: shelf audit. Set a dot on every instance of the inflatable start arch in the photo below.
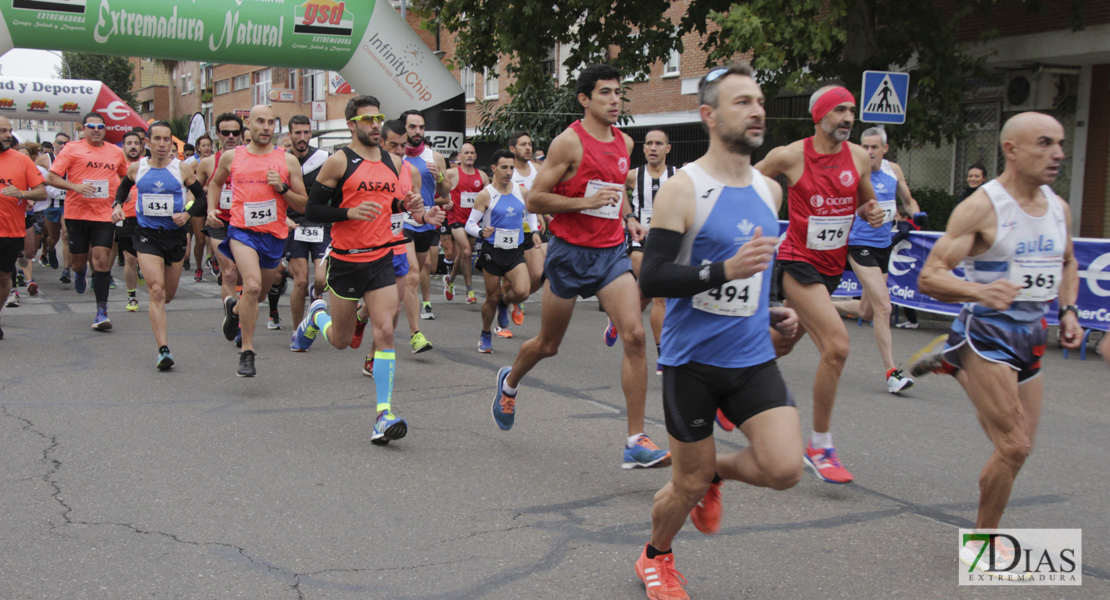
(365, 41)
(66, 100)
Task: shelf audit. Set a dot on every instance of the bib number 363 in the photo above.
(1038, 278)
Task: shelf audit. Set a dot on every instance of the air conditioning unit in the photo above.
(1028, 90)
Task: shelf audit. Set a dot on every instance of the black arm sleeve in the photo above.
(321, 205)
(199, 207)
(124, 190)
(662, 277)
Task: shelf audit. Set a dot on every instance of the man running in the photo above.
(23, 184)
(356, 190)
(826, 175)
(466, 182)
(196, 224)
(869, 253)
(1012, 237)
(264, 181)
(90, 170)
(125, 227)
(498, 220)
(434, 184)
(582, 184)
(717, 352)
(308, 240)
(160, 233)
(229, 127)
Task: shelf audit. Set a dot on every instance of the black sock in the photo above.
(101, 282)
(273, 296)
(717, 478)
(131, 293)
(652, 552)
(658, 350)
(163, 349)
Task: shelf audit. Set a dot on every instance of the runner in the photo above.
(1012, 237)
(264, 181)
(125, 227)
(307, 240)
(466, 182)
(196, 224)
(717, 353)
(23, 184)
(498, 220)
(162, 220)
(641, 186)
(230, 129)
(869, 253)
(356, 190)
(582, 184)
(524, 176)
(89, 170)
(53, 213)
(827, 183)
(35, 222)
(433, 188)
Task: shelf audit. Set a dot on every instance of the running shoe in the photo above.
(213, 266)
(65, 278)
(426, 312)
(101, 322)
(662, 580)
(19, 281)
(142, 280)
(502, 332)
(132, 304)
(165, 360)
(312, 295)
(658, 369)
(504, 405)
(80, 283)
(198, 275)
(186, 265)
(111, 282)
(360, 329)
(707, 514)
(826, 465)
(723, 422)
(419, 343)
(274, 322)
(485, 343)
(644, 454)
(471, 297)
(52, 256)
(368, 366)
(43, 260)
(246, 364)
(231, 320)
(387, 428)
(906, 325)
(32, 288)
(897, 382)
(502, 314)
(13, 299)
(610, 333)
(307, 331)
(929, 359)
(517, 314)
(448, 288)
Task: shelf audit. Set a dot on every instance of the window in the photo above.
(262, 86)
(187, 86)
(549, 65)
(467, 77)
(223, 86)
(489, 83)
(670, 68)
(315, 85)
(241, 82)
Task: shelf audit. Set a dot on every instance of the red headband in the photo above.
(830, 100)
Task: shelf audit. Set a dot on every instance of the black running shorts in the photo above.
(351, 280)
(693, 392)
(85, 234)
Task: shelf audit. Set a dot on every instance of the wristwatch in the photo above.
(1069, 308)
(284, 188)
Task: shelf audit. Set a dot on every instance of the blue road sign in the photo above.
(884, 97)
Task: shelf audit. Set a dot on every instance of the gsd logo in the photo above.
(66, 6)
(37, 106)
(323, 17)
(7, 104)
(70, 107)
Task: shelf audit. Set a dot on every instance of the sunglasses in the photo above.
(378, 118)
(96, 126)
(231, 132)
(540, 158)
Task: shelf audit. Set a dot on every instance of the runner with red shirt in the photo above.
(21, 185)
(466, 182)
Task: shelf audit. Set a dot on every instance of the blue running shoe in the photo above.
(80, 283)
(502, 315)
(485, 343)
(644, 454)
(165, 360)
(101, 322)
(388, 427)
(504, 405)
(610, 333)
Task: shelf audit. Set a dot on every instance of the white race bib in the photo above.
(506, 239)
(466, 199)
(889, 210)
(609, 211)
(311, 234)
(1038, 278)
(397, 224)
(257, 214)
(101, 188)
(645, 217)
(737, 298)
(828, 233)
(157, 205)
(225, 199)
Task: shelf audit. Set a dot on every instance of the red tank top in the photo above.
(602, 162)
(255, 204)
(824, 201)
(129, 205)
(225, 213)
(470, 185)
(369, 181)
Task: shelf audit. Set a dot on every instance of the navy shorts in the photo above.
(307, 250)
(269, 248)
(1018, 345)
(400, 264)
(580, 271)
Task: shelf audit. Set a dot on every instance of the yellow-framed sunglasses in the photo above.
(378, 118)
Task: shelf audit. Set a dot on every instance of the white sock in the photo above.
(632, 440)
(505, 387)
(821, 440)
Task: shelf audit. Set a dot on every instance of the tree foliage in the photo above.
(114, 71)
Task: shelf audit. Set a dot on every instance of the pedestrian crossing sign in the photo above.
(884, 97)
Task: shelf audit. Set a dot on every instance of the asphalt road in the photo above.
(118, 481)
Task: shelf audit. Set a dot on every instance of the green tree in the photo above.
(114, 71)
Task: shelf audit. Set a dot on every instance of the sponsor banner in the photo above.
(66, 100)
(197, 128)
(338, 85)
(281, 96)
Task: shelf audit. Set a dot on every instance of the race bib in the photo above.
(101, 188)
(311, 234)
(605, 212)
(506, 239)
(737, 298)
(466, 199)
(257, 214)
(225, 199)
(889, 210)
(828, 233)
(645, 217)
(397, 224)
(158, 205)
(1038, 278)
